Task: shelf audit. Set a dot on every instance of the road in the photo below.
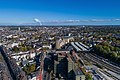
(46, 75)
(42, 75)
(7, 63)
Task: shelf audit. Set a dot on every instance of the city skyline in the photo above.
(78, 12)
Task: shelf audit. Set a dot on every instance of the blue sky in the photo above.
(60, 11)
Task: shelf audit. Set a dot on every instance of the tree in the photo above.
(107, 48)
(16, 49)
(88, 77)
(29, 68)
(114, 55)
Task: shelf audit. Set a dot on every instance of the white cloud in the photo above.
(78, 21)
(117, 19)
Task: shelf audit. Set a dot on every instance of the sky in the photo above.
(70, 12)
